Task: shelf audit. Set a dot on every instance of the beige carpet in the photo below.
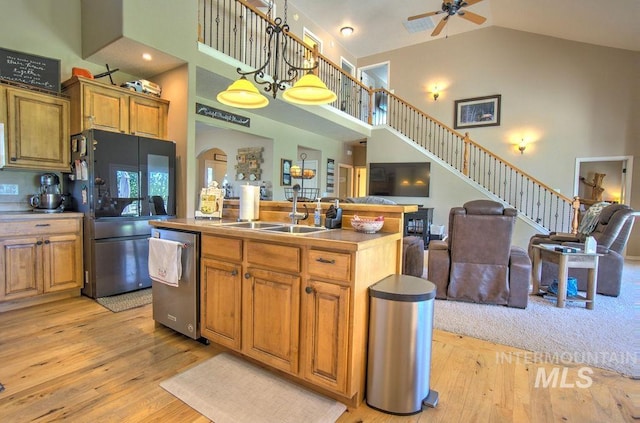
(605, 337)
(227, 389)
(118, 303)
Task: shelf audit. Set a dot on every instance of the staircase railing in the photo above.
(239, 31)
(522, 191)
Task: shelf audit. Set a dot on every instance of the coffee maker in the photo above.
(49, 200)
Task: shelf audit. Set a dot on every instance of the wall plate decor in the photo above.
(476, 112)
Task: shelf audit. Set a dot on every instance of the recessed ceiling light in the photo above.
(146, 56)
(346, 31)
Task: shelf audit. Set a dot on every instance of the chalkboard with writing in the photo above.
(38, 71)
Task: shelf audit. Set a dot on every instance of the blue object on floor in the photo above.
(572, 287)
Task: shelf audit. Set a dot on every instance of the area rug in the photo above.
(118, 303)
(605, 337)
(227, 389)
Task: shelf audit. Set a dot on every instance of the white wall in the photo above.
(570, 99)
(447, 190)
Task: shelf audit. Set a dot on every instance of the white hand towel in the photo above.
(165, 261)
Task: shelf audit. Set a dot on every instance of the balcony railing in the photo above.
(239, 30)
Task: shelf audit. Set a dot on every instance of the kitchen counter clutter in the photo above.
(41, 257)
(311, 289)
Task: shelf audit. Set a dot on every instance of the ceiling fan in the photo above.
(452, 8)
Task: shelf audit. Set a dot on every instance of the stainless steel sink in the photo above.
(255, 225)
(291, 229)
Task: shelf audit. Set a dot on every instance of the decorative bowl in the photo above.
(367, 225)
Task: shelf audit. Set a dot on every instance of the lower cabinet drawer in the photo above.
(274, 256)
(329, 265)
(221, 247)
(39, 227)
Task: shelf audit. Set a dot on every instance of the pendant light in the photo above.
(243, 94)
(308, 90)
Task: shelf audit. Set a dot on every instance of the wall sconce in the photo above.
(436, 93)
(522, 146)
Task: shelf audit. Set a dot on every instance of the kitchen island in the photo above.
(296, 303)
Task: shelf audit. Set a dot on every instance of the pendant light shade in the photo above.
(309, 90)
(242, 94)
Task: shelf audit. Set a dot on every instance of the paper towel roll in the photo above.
(256, 203)
(247, 203)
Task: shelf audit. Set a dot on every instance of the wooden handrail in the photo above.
(237, 27)
(316, 54)
(468, 140)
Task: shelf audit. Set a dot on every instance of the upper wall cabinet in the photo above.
(36, 129)
(95, 105)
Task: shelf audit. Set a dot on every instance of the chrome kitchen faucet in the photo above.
(295, 215)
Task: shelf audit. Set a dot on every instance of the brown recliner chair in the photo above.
(477, 263)
(413, 256)
(611, 234)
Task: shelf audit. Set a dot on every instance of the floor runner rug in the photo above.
(118, 303)
(227, 389)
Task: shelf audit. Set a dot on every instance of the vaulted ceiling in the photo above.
(379, 24)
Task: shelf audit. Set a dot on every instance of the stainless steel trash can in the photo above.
(400, 336)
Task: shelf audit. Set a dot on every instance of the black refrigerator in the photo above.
(119, 182)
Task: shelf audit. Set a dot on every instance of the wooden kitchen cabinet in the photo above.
(148, 117)
(221, 285)
(325, 309)
(271, 304)
(37, 129)
(39, 257)
(95, 105)
(221, 290)
(270, 318)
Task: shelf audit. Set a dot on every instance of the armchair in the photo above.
(611, 232)
(477, 263)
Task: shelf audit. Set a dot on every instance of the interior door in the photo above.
(345, 181)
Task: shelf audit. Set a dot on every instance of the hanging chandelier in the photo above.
(308, 90)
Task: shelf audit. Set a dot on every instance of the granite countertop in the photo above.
(30, 214)
(332, 238)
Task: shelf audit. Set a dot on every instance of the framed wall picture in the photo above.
(330, 175)
(285, 171)
(476, 112)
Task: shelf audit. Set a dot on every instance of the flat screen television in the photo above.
(399, 179)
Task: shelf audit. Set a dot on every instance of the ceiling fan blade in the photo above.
(472, 17)
(440, 25)
(423, 15)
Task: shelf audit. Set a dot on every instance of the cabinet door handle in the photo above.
(308, 290)
(39, 243)
(47, 241)
(247, 275)
(13, 159)
(234, 272)
(41, 225)
(321, 260)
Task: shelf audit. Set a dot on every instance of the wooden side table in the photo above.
(564, 262)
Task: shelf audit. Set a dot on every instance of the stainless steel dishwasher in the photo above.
(178, 307)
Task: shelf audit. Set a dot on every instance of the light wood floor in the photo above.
(74, 359)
